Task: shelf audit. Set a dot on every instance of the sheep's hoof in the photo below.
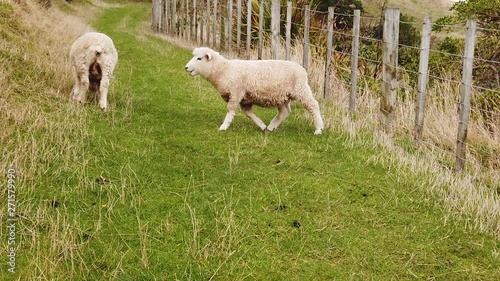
(223, 128)
(103, 109)
(318, 131)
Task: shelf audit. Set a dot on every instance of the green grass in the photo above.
(187, 202)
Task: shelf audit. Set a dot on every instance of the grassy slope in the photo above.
(415, 8)
(188, 202)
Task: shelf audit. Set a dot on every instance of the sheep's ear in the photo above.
(208, 56)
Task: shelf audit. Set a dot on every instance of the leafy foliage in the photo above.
(343, 9)
(486, 12)
(486, 73)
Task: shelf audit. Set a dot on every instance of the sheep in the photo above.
(94, 58)
(266, 83)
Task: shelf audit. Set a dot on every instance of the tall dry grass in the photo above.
(42, 132)
(36, 84)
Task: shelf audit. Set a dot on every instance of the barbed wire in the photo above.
(370, 18)
(487, 29)
(369, 60)
(486, 60)
(344, 15)
(409, 47)
(442, 78)
(409, 22)
(370, 39)
(455, 25)
(445, 53)
(485, 89)
(341, 33)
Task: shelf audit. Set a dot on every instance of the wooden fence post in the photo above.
(305, 57)
(329, 43)
(249, 27)
(288, 29)
(423, 76)
(182, 22)
(174, 17)
(465, 90)
(275, 29)
(187, 22)
(155, 9)
(261, 27)
(238, 25)
(200, 21)
(153, 14)
(161, 15)
(389, 69)
(223, 18)
(168, 16)
(230, 26)
(214, 29)
(194, 23)
(354, 62)
(208, 22)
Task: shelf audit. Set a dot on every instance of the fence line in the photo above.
(198, 23)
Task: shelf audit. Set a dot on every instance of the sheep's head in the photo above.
(202, 62)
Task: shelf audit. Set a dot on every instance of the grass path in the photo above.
(188, 202)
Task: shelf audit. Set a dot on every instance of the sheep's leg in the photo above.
(81, 87)
(312, 105)
(76, 89)
(247, 109)
(103, 93)
(318, 120)
(232, 105)
(283, 113)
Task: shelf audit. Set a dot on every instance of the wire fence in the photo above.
(270, 30)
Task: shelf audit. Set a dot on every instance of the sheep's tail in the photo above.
(97, 50)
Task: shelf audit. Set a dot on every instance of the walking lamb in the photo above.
(267, 83)
(94, 58)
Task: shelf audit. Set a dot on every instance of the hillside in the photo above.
(415, 8)
(151, 190)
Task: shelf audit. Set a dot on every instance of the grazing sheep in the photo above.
(267, 83)
(94, 58)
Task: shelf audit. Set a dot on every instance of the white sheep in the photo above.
(94, 58)
(267, 83)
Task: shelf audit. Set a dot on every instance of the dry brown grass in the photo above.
(42, 132)
(35, 87)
